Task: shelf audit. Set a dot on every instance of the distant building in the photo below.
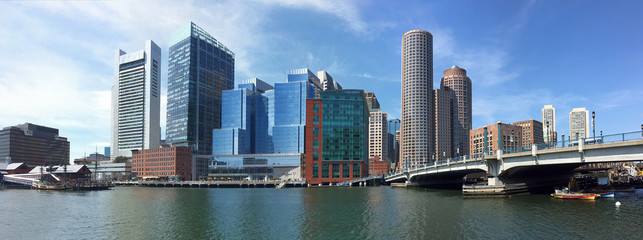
(199, 69)
(393, 126)
(262, 134)
(136, 101)
(290, 109)
(107, 151)
(94, 157)
(578, 123)
(549, 123)
(443, 138)
(109, 171)
(336, 137)
(378, 135)
(532, 132)
(13, 168)
(497, 136)
(417, 101)
(456, 80)
(371, 101)
(34, 145)
(327, 81)
(377, 166)
(171, 163)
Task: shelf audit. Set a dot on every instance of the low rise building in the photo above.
(532, 132)
(171, 163)
(497, 136)
(377, 166)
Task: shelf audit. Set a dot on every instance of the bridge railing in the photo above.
(612, 138)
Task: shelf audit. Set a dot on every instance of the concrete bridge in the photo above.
(534, 168)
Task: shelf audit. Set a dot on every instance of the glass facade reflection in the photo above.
(199, 69)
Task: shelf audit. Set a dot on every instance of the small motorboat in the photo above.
(605, 195)
(579, 196)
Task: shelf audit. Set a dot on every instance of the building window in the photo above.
(315, 170)
(315, 132)
(324, 170)
(356, 172)
(316, 143)
(316, 108)
(315, 155)
(345, 170)
(316, 119)
(335, 170)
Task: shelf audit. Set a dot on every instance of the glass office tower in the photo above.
(290, 110)
(199, 69)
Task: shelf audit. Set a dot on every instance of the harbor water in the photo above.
(311, 213)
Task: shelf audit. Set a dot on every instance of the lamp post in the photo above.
(547, 133)
(593, 125)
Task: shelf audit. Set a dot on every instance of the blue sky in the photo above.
(56, 65)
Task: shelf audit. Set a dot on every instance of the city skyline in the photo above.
(511, 58)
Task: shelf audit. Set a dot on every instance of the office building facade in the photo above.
(417, 100)
(371, 101)
(34, 145)
(378, 135)
(393, 148)
(173, 163)
(199, 69)
(532, 132)
(578, 123)
(443, 109)
(549, 122)
(136, 101)
(327, 81)
(497, 136)
(336, 137)
(455, 79)
(290, 109)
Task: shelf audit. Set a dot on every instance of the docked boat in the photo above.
(41, 186)
(579, 196)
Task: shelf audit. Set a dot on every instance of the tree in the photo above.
(121, 159)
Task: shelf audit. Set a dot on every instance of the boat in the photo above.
(605, 195)
(41, 186)
(579, 196)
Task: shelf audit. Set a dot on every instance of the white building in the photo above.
(136, 103)
(579, 122)
(549, 122)
(378, 134)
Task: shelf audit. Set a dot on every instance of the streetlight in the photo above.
(547, 133)
(593, 125)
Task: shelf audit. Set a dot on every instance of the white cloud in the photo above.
(57, 65)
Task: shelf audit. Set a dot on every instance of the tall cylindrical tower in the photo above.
(456, 80)
(416, 127)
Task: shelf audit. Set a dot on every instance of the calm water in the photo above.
(314, 213)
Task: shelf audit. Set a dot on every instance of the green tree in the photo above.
(121, 159)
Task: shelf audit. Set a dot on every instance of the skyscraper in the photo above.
(579, 123)
(290, 109)
(135, 122)
(417, 101)
(393, 148)
(378, 134)
(199, 69)
(456, 80)
(549, 123)
(443, 110)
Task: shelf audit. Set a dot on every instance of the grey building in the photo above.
(34, 145)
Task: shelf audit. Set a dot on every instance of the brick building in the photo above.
(170, 162)
(499, 136)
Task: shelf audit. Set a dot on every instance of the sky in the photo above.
(57, 57)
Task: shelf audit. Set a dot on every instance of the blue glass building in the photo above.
(290, 110)
(199, 69)
(262, 132)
